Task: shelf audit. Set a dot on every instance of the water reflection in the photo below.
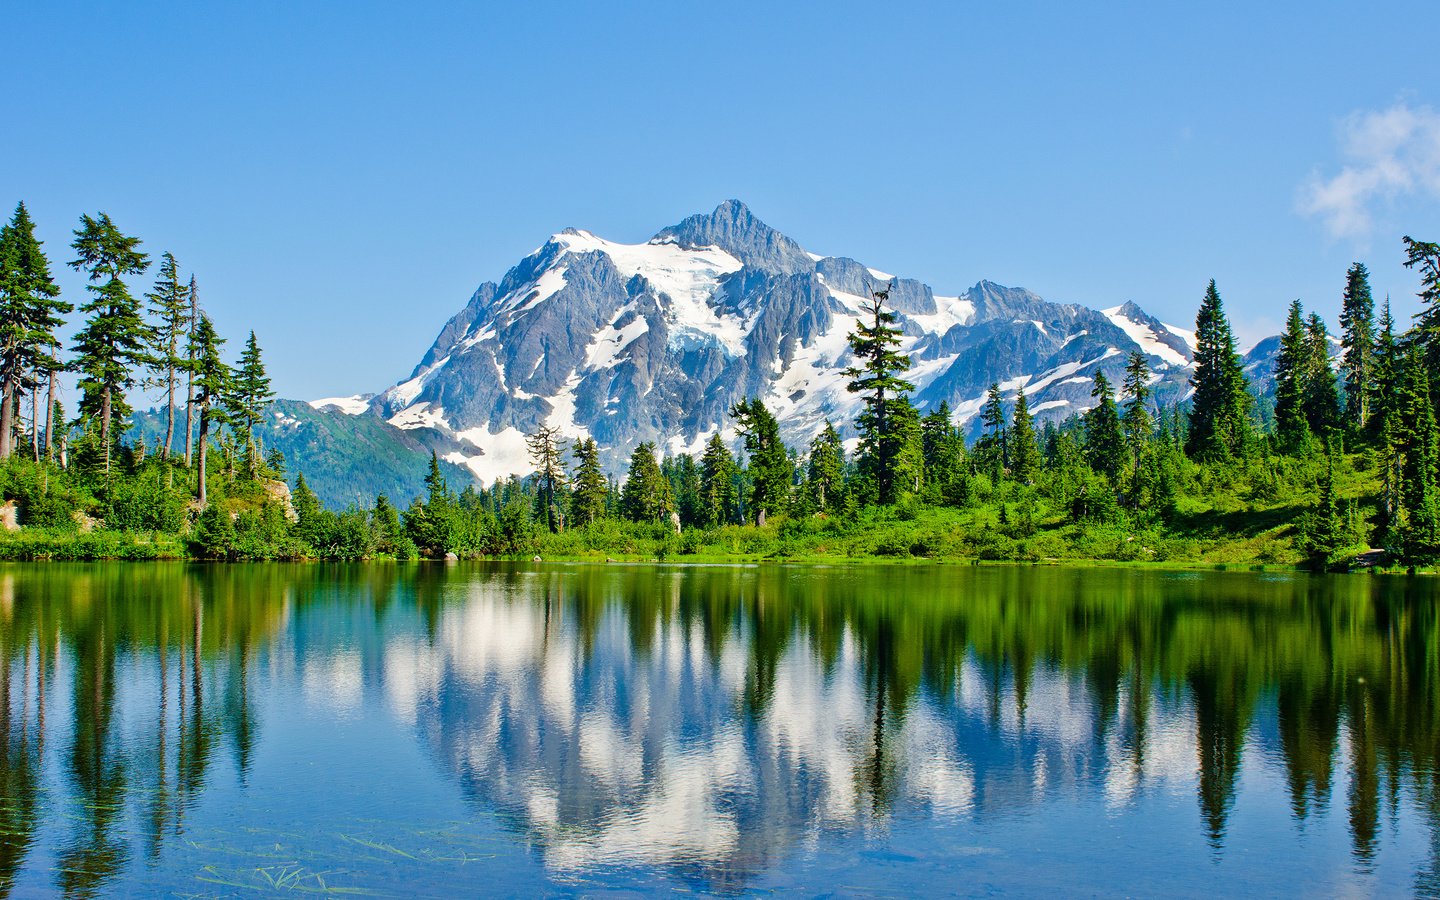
(714, 723)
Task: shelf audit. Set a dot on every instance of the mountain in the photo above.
(655, 341)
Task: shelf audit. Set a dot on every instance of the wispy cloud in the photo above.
(1388, 154)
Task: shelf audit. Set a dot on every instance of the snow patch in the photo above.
(350, 406)
(1145, 336)
(420, 415)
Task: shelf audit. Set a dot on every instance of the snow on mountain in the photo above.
(655, 341)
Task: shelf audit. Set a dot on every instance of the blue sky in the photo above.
(340, 176)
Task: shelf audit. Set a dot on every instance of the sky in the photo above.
(341, 176)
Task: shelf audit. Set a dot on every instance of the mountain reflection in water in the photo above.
(713, 725)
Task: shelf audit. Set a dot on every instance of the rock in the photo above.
(536, 558)
(10, 516)
(279, 491)
(86, 523)
(451, 557)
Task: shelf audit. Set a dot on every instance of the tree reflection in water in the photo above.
(713, 721)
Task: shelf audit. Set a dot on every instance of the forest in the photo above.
(1334, 469)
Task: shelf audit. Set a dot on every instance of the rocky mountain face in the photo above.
(655, 341)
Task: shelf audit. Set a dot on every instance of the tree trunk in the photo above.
(7, 413)
(49, 418)
(204, 440)
(35, 421)
(105, 426)
(169, 410)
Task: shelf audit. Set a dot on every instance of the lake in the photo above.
(433, 730)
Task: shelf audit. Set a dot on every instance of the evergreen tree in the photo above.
(587, 500)
(30, 311)
(1322, 401)
(1321, 529)
(1104, 439)
(1357, 324)
(547, 455)
(993, 446)
(1419, 494)
(719, 501)
(212, 387)
(1387, 371)
(684, 478)
(882, 445)
(170, 306)
(1024, 452)
(646, 496)
(250, 394)
(115, 339)
(1137, 421)
(1291, 423)
(1424, 257)
(770, 467)
(826, 473)
(1219, 424)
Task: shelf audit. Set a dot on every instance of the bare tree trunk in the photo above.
(50, 418)
(105, 426)
(7, 414)
(35, 421)
(169, 409)
(204, 440)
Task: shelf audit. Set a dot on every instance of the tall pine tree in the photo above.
(250, 395)
(1024, 451)
(882, 444)
(1292, 425)
(587, 499)
(646, 496)
(719, 502)
(770, 467)
(1104, 439)
(212, 387)
(170, 307)
(115, 339)
(547, 455)
(30, 311)
(1357, 366)
(1219, 412)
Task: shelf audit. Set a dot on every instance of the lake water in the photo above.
(436, 730)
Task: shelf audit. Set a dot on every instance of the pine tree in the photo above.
(212, 387)
(1024, 452)
(881, 443)
(1321, 530)
(825, 477)
(170, 306)
(993, 446)
(719, 502)
(1322, 402)
(250, 394)
(646, 496)
(1424, 257)
(1387, 370)
(770, 467)
(1419, 492)
(1292, 425)
(1219, 422)
(547, 455)
(1357, 324)
(587, 500)
(30, 311)
(684, 478)
(115, 339)
(1104, 439)
(1137, 421)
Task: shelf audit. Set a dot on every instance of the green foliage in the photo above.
(1219, 411)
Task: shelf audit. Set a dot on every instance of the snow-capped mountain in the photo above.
(655, 341)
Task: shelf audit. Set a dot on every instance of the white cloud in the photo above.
(1389, 153)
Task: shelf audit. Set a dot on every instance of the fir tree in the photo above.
(1137, 421)
(250, 394)
(646, 496)
(212, 386)
(826, 473)
(170, 306)
(1419, 493)
(547, 455)
(994, 444)
(1321, 529)
(719, 501)
(1424, 257)
(770, 467)
(115, 339)
(684, 478)
(1219, 423)
(1322, 402)
(1387, 371)
(877, 377)
(1357, 324)
(587, 500)
(1292, 425)
(1024, 452)
(30, 311)
(1104, 439)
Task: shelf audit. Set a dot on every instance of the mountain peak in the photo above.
(736, 230)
